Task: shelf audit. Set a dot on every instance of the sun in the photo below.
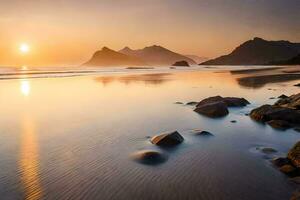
(24, 48)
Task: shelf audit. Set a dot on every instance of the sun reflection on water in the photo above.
(29, 161)
(25, 87)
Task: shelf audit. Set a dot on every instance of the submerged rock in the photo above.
(279, 124)
(192, 103)
(203, 133)
(178, 102)
(233, 121)
(182, 63)
(214, 110)
(268, 150)
(149, 157)
(167, 139)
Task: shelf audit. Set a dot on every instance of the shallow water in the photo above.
(72, 137)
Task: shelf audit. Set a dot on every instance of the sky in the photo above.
(68, 32)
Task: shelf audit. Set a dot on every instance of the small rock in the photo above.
(279, 124)
(268, 150)
(272, 98)
(297, 85)
(203, 133)
(279, 162)
(287, 169)
(229, 101)
(182, 63)
(233, 121)
(149, 157)
(167, 139)
(214, 110)
(192, 103)
(178, 102)
(282, 96)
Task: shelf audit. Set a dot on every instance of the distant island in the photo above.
(293, 61)
(259, 52)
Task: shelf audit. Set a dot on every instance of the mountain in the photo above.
(258, 52)
(293, 61)
(156, 55)
(108, 57)
(197, 59)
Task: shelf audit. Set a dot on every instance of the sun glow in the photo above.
(25, 87)
(24, 48)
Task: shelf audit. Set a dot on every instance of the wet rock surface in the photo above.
(167, 139)
(149, 157)
(213, 110)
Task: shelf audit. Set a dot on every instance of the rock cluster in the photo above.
(284, 114)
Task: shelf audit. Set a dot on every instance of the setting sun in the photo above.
(24, 48)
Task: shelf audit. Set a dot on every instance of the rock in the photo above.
(297, 85)
(292, 102)
(272, 98)
(203, 133)
(268, 150)
(294, 155)
(167, 139)
(267, 113)
(297, 129)
(295, 179)
(288, 169)
(214, 110)
(279, 162)
(178, 102)
(229, 101)
(282, 96)
(296, 195)
(149, 157)
(192, 103)
(233, 121)
(279, 124)
(182, 63)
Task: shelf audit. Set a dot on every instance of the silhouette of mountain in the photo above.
(197, 59)
(108, 57)
(293, 61)
(258, 52)
(156, 55)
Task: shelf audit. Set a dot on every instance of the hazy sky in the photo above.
(69, 31)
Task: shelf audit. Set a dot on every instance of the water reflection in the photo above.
(29, 161)
(25, 87)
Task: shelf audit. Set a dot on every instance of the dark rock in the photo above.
(192, 103)
(167, 139)
(203, 133)
(229, 101)
(282, 96)
(279, 162)
(267, 113)
(295, 179)
(288, 169)
(297, 85)
(214, 110)
(296, 195)
(279, 124)
(233, 121)
(272, 98)
(149, 157)
(178, 102)
(181, 64)
(292, 102)
(268, 150)
(297, 129)
(294, 155)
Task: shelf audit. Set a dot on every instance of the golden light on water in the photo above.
(29, 161)
(25, 87)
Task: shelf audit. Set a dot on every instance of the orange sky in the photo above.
(67, 32)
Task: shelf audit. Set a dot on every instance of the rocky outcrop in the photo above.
(229, 101)
(167, 139)
(284, 114)
(181, 64)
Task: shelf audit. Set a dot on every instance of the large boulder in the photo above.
(149, 157)
(214, 110)
(167, 139)
(294, 155)
(229, 101)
